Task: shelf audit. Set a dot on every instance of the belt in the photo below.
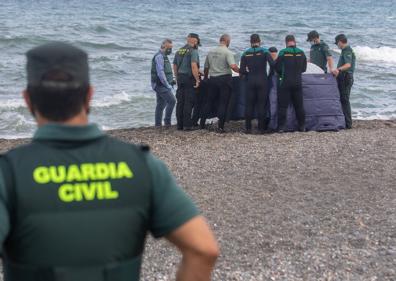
(128, 270)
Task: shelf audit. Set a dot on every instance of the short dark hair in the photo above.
(57, 104)
(255, 38)
(341, 38)
(290, 38)
(273, 50)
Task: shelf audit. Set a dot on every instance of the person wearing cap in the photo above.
(162, 83)
(254, 63)
(76, 204)
(290, 65)
(320, 52)
(344, 73)
(186, 69)
(219, 64)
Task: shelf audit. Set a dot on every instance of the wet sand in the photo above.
(294, 206)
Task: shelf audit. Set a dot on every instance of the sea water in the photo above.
(121, 37)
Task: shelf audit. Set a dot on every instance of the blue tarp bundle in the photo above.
(321, 102)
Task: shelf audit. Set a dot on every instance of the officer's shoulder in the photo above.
(21, 149)
(264, 50)
(247, 51)
(299, 51)
(283, 51)
(324, 44)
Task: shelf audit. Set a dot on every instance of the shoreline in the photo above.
(291, 206)
(231, 127)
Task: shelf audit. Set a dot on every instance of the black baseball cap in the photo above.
(340, 37)
(312, 35)
(273, 50)
(57, 57)
(196, 36)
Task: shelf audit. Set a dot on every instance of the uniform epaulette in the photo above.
(144, 147)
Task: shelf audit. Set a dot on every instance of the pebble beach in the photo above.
(292, 206)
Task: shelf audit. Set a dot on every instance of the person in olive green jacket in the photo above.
(344, 73)
(76, 204)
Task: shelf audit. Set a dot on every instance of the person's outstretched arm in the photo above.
(199, 249)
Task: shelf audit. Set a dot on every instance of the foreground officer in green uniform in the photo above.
(320, 52)
(344, 74)
(76, 204)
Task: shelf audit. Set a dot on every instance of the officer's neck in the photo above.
(80, 119)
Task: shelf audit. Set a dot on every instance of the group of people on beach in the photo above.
(199, 91)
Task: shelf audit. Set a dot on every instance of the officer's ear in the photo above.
(28, 102)
(87, 104)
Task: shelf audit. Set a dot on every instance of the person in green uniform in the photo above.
(186, 69)
(320, 52)
(76, 204)
(344, 73)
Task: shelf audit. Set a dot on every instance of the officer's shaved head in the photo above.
(225, 39)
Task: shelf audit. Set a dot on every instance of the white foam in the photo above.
(380, 54)
(12, 103)
(111, 100)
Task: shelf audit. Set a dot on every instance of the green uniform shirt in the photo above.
(219, 61)
(347, 56)
(319, 54)
(92, 215)
(183, 59)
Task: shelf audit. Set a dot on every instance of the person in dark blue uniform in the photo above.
(290, 65)
(254, 64)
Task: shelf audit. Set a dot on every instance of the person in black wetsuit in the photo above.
(253, 68)
(290, 65)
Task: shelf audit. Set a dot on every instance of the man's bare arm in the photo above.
(235, 68)
(199, 248)
(175, 70)
(330, 62)
(195, 73)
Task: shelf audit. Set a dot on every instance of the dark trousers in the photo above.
(186, 97)
(345, 82)
(293, 93)
(202, 93)
(256, 95)
(220, 88)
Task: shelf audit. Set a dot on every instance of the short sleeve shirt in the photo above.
(319, 54)
(347, 56)
(219, 61)
(183, 59)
